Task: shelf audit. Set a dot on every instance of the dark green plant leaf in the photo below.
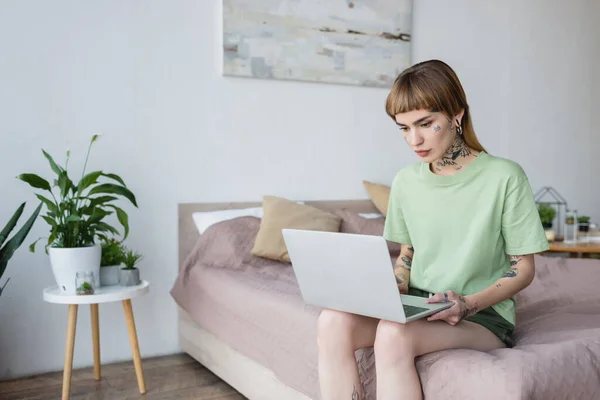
(114, 189)
(97, 215)
(51, 240)
(88, 180)
(4, 286)
(58, 170)
(123, 219)
(95, 201)
(35, 181)
(73, 218)
(65, 184)
(116, 178)
(32, 245)
(50, 221)
(13, 244)
(11, 224)
(49, 203)
(104, 227)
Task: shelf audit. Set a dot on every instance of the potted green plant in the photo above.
(570, 220)
(129, 275)
(8, 248)
(111, 260)
(76, 217)
(583, 223)
(547, 215)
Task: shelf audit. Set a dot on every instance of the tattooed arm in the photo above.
(403, 267)
(520, 275)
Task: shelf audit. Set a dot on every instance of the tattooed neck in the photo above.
(456, 157)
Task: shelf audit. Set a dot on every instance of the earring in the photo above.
(458, 128)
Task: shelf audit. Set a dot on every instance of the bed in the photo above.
(243, 318)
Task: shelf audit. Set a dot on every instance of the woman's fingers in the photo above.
(444, 315)
(441, 297)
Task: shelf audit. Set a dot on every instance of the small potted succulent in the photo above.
(113, 253)
(129, 275)
(547, 215)
(583, 223)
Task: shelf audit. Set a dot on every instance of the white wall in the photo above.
(146, 75)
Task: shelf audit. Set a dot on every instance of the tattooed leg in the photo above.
(339, 335)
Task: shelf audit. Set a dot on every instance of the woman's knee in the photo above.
(394, 341)
(335, 328)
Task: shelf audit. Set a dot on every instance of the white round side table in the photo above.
(104, 294)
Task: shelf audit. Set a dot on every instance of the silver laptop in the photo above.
(352, 273)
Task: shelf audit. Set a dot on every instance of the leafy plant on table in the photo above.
(547, 214)
(583, 219)
(131, 259)
(77, 211)
(8, 248)
(113, 253)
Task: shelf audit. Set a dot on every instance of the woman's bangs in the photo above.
(407, 95)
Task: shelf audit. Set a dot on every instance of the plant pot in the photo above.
(66, 262)
(547, 225)
(584, 227)
(550, 235)
(109, 275)
(129, 277)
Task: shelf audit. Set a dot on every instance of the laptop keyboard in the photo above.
(409, 311)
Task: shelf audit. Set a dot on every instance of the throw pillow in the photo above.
(379, 195)
(279, 213)
(355, 223)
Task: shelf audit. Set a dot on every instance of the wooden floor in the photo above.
(177, 377)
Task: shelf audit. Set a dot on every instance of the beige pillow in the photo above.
(379, 194)
(279, 213)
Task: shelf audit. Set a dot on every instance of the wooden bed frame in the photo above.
(248, 377)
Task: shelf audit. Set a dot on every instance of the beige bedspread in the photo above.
(255, 306)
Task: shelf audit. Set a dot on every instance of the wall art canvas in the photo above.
(365, 43)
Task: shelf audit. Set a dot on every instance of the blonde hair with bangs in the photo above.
(432, 85)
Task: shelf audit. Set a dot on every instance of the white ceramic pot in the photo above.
(67, 262)
(109, 275)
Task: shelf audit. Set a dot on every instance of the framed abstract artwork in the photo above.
(354, 42)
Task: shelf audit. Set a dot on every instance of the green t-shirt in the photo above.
(463, 227)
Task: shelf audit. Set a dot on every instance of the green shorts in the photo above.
(488, 318)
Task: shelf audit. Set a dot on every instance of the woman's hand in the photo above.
(461, 309)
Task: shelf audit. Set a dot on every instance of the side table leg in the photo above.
(70, 346)
(96, 339)
(137, 361)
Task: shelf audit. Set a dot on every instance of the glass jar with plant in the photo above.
(113, 253)
(84, 282)
(76, 217)
(129, 274)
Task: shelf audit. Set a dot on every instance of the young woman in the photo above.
(468, 226)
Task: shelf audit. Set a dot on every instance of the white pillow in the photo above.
(204, 220)
(371, 215)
